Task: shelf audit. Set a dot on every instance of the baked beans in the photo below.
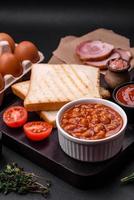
(91, 121)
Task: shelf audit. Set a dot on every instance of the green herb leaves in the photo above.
(15, 179)
(128, 179)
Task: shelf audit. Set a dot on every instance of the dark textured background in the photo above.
(44, 24)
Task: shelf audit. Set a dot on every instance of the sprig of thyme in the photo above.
(14, 179)
(128, 179)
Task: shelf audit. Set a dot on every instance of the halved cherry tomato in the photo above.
(15, 116)
(37, 130)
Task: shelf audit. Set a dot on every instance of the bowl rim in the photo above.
(115, 91)
(96, 100)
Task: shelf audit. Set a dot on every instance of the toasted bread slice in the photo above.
(49, 116)
(52, 86)
(21, 90)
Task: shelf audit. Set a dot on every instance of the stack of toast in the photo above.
(53, 85)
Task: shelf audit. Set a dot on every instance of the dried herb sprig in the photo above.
(14, 179)
(128, 179)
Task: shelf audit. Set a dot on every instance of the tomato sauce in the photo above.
(125, 95)
(118, 64)
(91, 121)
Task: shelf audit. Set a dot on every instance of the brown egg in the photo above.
(27, 51)
(9, 64)
(6, 37)
(2, 83)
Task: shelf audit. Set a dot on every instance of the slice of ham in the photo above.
(125, 55)
(102, 64)
(94, 50)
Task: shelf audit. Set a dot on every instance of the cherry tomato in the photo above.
(15, 116)
(37, 130)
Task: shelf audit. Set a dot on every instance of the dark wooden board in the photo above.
(49, 155)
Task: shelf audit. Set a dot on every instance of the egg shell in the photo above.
(27, 51)
(9, 39)
(9, 64)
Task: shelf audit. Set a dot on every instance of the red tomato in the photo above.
(37, 130)
(15, 116)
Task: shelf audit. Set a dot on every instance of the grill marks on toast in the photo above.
(82, 78)
(75, 80)
(52, 88)
(59, 84)
(65, 81)
(54, 85)
(39, 92)
(85, 74)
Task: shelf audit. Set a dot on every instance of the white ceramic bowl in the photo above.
(91, 150)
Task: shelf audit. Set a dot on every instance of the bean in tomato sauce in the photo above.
(91, 121)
